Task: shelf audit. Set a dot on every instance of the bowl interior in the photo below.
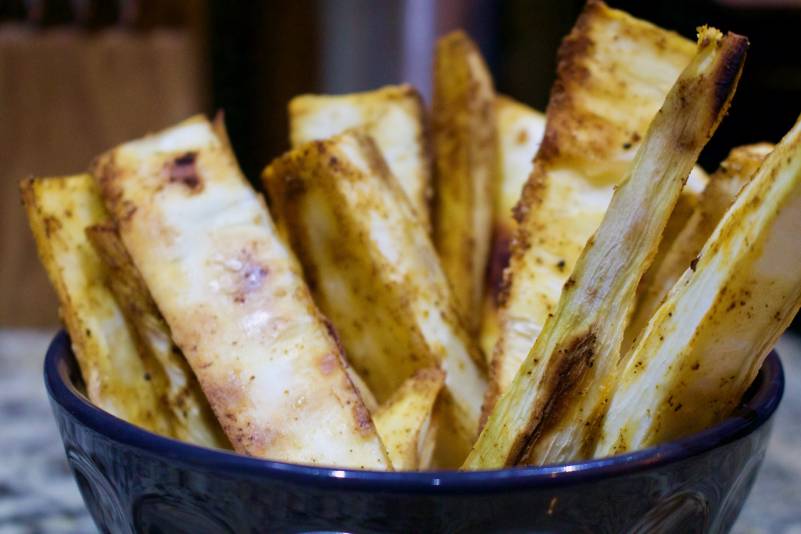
(65, 388)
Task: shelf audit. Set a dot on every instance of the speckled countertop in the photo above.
(38, 495)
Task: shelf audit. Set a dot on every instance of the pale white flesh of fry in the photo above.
(59, 209)
(393, 116)
(717, 197)
(595, 125)
(520, 131)
(553, 415)
(375, 274)
(464, 136)
(707, 341)
(404, 421)
(192, 418)
(235, 301)
(685, 207)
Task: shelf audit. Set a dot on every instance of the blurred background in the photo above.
(78, 76)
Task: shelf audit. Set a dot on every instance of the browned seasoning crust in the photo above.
(556, 415)
(570, 367)
(743, 293)
(465, 168)
(234, 299)
(287, 183)
(373, 270)
(59, 209)
(395, 116)
(588, 144)
(564, 375)
(170, 374)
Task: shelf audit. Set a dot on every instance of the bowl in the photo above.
(135, 481)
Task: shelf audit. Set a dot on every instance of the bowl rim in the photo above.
(766, 393)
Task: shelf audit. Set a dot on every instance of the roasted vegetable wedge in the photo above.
(726, 183)
(685, 207)
(393, 116)
(466, 168)
(520, 131)
(554, 408)
(116, 377)
(405, 421)
(374, 273)
(192, 418)
(707, 341)
(234, 299)
(613, 74)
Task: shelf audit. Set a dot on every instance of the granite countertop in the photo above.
(38, 494)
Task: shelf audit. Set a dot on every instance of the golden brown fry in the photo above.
(234, 299)
(404, 422)
(117, 380)
(556, 404)
(613, 74)
(520, 131)
(374, 272)
(192, 418)
(705, 344)
(719, 195)
(466, 168)
(393, 116)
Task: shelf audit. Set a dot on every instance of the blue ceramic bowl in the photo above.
(135, 481)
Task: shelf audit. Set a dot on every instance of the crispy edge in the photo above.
(172, 377)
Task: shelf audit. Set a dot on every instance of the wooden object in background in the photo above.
(65, 96)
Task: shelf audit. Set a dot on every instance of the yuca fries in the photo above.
(393, 116)
(465, 168)
(186, 263)
(192, 418)
(233, 297)
(520, 132)
(707, 341)
(613, 74)
(375, 274)
(405, 421)
(720, 193)
(555, 405)
(116, 376)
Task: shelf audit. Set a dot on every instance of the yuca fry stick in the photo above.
(234, 299)
(686, 205)
(554, 415)
(707, 341)
(613, 74)
(719, 195)
(192, 418)
(466, 168)
(117, 380)
(393, 116)
(520, 130)
(404, 422)
(374, 272)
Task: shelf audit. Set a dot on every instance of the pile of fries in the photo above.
(473, 285)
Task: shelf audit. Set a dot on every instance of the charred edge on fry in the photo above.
(572, 363)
